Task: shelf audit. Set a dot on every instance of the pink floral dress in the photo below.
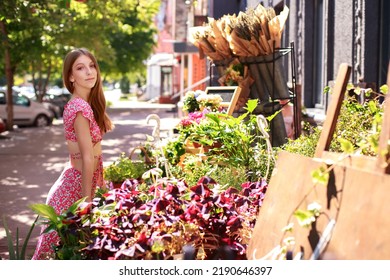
(67, 189)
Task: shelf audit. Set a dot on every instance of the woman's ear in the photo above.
(71, 79)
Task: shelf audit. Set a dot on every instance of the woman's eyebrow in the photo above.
(82, 63)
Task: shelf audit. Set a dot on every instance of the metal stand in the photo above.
(270, 87)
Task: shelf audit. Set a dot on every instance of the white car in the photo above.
(26, 111)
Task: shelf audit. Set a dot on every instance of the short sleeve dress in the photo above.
(67, 189)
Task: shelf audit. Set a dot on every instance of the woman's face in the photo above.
(84, 73)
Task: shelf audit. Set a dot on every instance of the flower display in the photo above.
(258, 31)
(199, 100)
(196, 205)
(192, 118)
(158, 221)
(233, 75)
(190, 103)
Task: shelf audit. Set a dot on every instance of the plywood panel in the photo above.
(356, 199)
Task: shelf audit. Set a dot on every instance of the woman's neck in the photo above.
(82, 94)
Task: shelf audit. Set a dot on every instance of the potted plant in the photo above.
(124, 168)
(157, 221)
(198, 100)
(229, 140)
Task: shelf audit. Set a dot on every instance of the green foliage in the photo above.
(70, 238)
(320, 175)
(346, 146)
(307, 217)
(125, 85)
(305, 144)
(230, 144)
(173, 149)
(41, 32)
(384, 89)
(124, 168)
(235, 135)
(326, 90)
(14, 250)
(190, 104)
(195, 168)
(357, 129)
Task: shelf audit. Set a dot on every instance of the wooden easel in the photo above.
(354, 222)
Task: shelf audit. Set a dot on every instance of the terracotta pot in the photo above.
(196, 145)
(117, 185)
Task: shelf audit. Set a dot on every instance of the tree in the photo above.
(19, 21)
(40, 32)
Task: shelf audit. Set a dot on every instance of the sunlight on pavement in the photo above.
(11, 181)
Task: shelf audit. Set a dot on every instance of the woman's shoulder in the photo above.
(76, 105)
(77, 102)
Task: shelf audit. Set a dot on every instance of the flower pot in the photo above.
(116, 185)
(196, 145)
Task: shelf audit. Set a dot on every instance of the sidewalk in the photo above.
(31, 159)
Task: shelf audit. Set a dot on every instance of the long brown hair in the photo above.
(96, 97)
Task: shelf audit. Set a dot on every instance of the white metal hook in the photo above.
(262, 124)
(156, 130)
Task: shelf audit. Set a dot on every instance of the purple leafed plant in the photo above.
(133, 223)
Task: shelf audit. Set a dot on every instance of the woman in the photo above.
(85, 121)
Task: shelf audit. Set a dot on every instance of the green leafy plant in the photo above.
(357, 129)
(173, 149)
(194, 168)
(234, 143)
(308, 216)
(198, 100)
(124, 168)
(14, 250)
(70, 236)
(134, 222)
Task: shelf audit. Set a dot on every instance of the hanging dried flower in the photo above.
(255, 32)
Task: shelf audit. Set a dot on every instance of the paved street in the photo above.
(31, 159)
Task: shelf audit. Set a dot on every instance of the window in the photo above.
(21, 100)
(166, 81)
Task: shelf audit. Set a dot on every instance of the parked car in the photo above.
(58, 100)
(2, 126)
(26, 111)
(56, 110)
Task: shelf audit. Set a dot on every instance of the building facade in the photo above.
(327, 33)
(324, 34)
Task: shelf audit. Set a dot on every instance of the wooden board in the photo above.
(356, 199)
(333, 111)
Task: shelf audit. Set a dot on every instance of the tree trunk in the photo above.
(48, 72)
(9, 76)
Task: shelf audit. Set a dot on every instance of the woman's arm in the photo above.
(81, 127)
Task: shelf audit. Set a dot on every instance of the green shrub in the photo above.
(358, 124)
(124, 168)
(14, 250)
(194, 168)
